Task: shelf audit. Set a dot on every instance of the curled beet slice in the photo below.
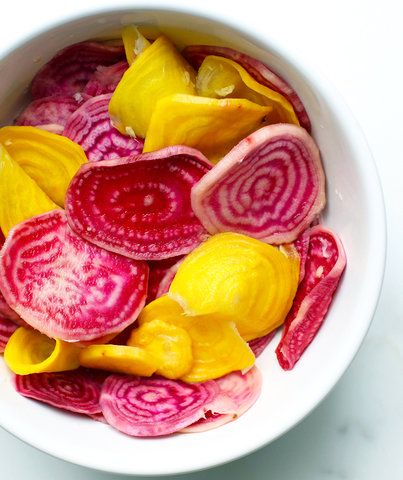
(106, 79)
(66, 287)
(302, 246)
(241, 389)
(270, 186)
(48, 110)
(77, 391)
(139, 207)
(159, 270)
(150, 407)
(70, 69)
(7, 328)
(195, 54)
(90, 127)
(259, 344)
(324, 266)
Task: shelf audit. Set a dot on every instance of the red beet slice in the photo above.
(150, 407)
(258, 345)
(90, 127)
(242, 389)
(69, 71)
(106, 79)
(66, 287)
(324, 266)
(159, 269)
(270, 186)
(139, 207)
(7, 328)
(48, 110)
(77, 391)
(302, 246)
(195, 54)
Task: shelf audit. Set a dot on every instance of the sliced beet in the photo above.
(150, 407)
(270, 186)
(139, 207)
(90, 126)
(77, 391)
(69, 71)
(258, 345)
(302, 246)
(48, 110)
(159, 270)
(195, 54)
(324, 266)
(66, 287)
(106, 79)
(7, 328)
(7, 312)
(242, 389)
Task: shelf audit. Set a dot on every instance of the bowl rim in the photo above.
(362, 154)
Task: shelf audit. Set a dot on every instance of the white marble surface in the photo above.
(356, 433)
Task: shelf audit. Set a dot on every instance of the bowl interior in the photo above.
(354, 211)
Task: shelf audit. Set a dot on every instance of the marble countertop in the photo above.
(356, 433)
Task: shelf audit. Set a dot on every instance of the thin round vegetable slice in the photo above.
(70, 69)
(150, 407)
(105, 79)
(258, 345)
(161, 270)
(66, 287)
(242, 389)
(195, 54)
(7, 328)
(77, 391)
(270, 186)
(90, 127)
(324, 266)
(139, 207)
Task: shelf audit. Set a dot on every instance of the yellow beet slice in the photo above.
(20, 197)
(158, 71)
(119, 358)
(134, 43)
(29, 351)
(161, 308)
(168, 343)
(210, 125)
(239, 277)
(219, 77)
(51, 160)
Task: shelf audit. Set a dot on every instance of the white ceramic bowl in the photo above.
(354, 211)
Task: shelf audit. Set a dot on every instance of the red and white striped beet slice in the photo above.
(159, 269)
(90, 126)
(66, 287)
(139, 207)
(195, 54)
(302, 246)
(242, 389)
(7, 328)
(48, 110)
(258, 345)
(77, 391)
(150, 407)
(324, 266)
(270, 186)
(69, 71)
(106, 79)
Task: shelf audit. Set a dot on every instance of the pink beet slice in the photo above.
(106, 79)
(242, 389)
(69, 71)
(161, 270)
(270, 186)
(139, 207)
(324, 266)
(195, 54)
(302, 246)
(48, 110)
(150, 407)
(7, 328)
(90, 127)
(66, 287)
(77, 391)
(258, 345)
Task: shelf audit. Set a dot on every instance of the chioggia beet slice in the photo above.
(7, 328)
(242, 389)
(106, 79)
(302, 246)
(324, 266)
(90, 127)
(150, 407)
(66, 287)
(161, 271)
(195, 54)
(270, 186)
(77, 391)
(139, 207)
(68, 72)
(258, 345)
(48, 110)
